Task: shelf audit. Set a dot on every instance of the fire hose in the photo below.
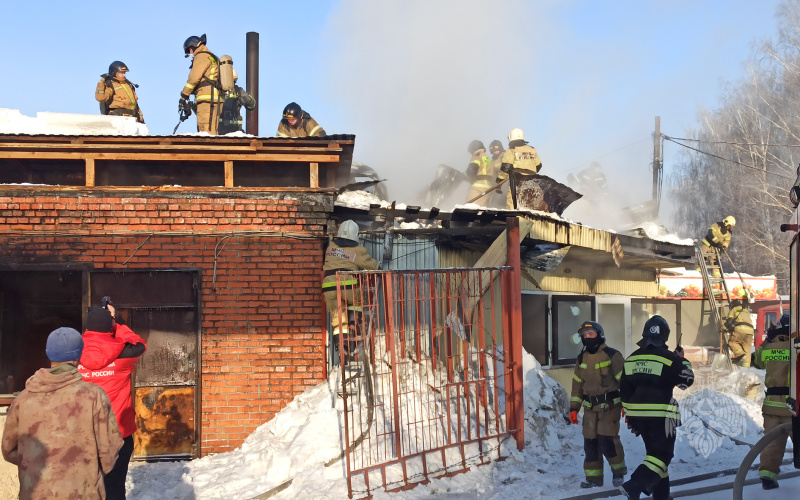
(778, 432)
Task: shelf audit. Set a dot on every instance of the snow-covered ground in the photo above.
(300, 439)
(719, 423)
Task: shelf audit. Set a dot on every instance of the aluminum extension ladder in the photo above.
(716, 293)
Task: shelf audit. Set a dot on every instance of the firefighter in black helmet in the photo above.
(651, 373)
(298, 123)
(230, 119)
(203, 82)
(116, 94)
(595, 388)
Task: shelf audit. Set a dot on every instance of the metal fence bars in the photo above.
(427, 384)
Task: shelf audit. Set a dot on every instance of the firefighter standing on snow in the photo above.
(774, 355)
(298, 123)
(595, 387)
(739, 325)
(718, 236)
(203, 82)
(117, 93)
(479, 173)
(518, 156)
(651, 373)
(344, 254)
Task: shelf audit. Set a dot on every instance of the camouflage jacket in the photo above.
(62, 435)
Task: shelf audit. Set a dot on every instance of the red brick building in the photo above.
(211, 249)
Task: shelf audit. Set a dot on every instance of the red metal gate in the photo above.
(431, 374)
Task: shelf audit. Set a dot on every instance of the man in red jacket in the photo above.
(110, 353)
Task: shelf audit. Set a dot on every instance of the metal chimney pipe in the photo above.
(252, 81)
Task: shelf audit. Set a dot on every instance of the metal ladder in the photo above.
(718, 298)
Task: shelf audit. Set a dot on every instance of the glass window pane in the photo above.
(641, 311)
(571, 313)
(612, 318)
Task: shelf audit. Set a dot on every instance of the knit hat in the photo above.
(99, 320)
(64, 344)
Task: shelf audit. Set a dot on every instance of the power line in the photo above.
(728, 159)
(734, 143)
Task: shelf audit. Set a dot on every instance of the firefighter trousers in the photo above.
(475, 191)
(651, 477)
(353, 302)
(601, 439)
(739, 344)
(772, 454)
(208, 117)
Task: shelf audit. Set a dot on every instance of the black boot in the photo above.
(768, 484)
(594, 482)
(618, 480)
(631, 490)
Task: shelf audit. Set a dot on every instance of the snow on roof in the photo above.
(658, 233)
(12, 121)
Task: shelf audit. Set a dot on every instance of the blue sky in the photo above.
(415, 80)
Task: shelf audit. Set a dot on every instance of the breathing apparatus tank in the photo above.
(226, 73)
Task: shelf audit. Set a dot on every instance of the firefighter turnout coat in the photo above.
(774, 356)
(120, 97)
(595, 388)
(306, 127)
(651, 373)
(203, 83)
(717, 236)
(343, 255)
(481, 173)
(739, 324)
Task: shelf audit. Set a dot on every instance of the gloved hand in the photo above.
(183, 103)
(573, 417)
(498, 181)
(632, 429)
(506, 167)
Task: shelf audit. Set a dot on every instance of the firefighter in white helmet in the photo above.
(344, 254)
(519, 155)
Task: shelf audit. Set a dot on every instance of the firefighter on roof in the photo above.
(116, 94)
(595, 388)
(518, 156)
(651, 373)
(298, 123)
(498, 196)
(479, 173)
(774, 356)
(344, 254)
(230, 119)
(739, 325)
(718, 236)
(203, 82)
(592, 180)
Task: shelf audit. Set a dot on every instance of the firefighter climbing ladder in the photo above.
(716, 292)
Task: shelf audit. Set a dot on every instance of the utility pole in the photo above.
(658, 166)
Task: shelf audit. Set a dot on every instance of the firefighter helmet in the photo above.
(348, 230)
(592, 325)
(117, 66)
(292, 110)
(516, 134)
(656, 327)
(474, 146)
(729, 221)
(193, 42)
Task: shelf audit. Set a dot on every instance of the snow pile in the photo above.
(12, 121)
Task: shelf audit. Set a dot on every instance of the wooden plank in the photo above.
(314, 168)
(497, 253)
(229, 174)
(163, 147)
(69, 155)
(90, 172)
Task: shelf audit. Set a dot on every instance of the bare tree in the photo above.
(750, 149)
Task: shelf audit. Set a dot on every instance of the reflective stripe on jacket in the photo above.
(595, 375)
(306, 127)
(651, 373)
(202, 81)
(774, 357)
(717, 235)
(344, 258)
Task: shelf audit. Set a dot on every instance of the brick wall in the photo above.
(261, 321)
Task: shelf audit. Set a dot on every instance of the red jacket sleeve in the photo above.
(125, 334)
